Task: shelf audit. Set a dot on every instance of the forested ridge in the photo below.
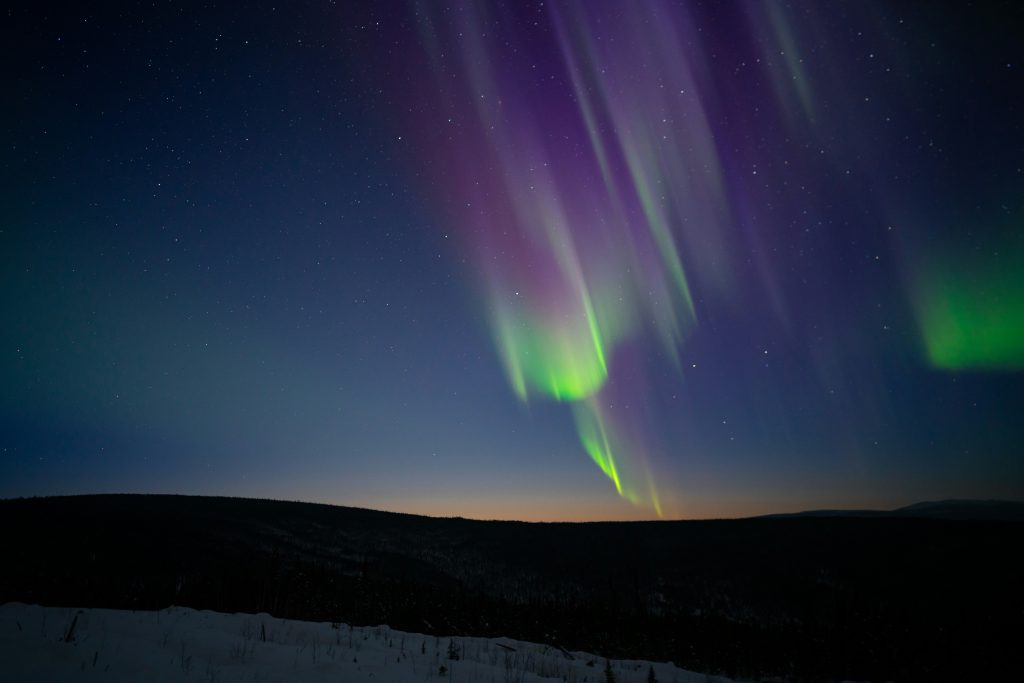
(807, 598)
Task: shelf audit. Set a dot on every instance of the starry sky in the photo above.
(549, 261)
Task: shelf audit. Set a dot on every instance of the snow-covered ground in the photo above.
(180, 644)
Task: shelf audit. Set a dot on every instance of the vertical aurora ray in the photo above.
(577, 190)
(570, 149)
(615, 442)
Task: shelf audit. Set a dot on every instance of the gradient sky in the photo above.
(569, 260)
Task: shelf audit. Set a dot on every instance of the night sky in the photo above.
(560, 261)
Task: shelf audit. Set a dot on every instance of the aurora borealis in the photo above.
(561, 260)
(971, 311)
(568, 198)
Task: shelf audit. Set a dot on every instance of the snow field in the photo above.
(180, 644)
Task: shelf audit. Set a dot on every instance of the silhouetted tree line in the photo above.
(807, 598)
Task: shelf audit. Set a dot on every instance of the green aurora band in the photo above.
(971, 312)
(562, 346)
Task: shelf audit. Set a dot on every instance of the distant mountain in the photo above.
(1006, 510)
(980, 510)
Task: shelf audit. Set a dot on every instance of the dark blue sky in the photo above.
(228, 268)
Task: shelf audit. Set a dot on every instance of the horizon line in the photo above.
(839, 511)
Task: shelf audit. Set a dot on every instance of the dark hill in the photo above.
(812, 598)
